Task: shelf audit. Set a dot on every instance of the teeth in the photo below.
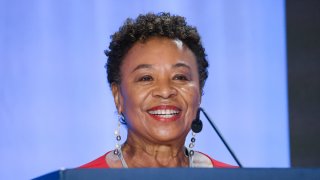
(166, 113)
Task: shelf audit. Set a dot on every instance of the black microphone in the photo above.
(196, 127)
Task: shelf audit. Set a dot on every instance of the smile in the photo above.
(165, 113)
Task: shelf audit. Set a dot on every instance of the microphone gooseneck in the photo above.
(218, 133)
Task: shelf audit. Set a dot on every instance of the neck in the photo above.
(139, 152)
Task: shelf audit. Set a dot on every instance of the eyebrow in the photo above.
(148, 66)
(181, 65)
(142, 66)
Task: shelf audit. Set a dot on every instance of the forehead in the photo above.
(159, 51)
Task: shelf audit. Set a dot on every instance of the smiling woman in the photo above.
(156, 70)
(159, 100)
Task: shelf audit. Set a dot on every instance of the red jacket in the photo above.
(101, 163)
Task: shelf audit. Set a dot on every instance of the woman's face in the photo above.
(159, 92)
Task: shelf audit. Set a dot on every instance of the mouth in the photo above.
(165, 113)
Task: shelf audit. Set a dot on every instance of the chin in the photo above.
(167, 137)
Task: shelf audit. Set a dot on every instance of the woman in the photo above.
(156, 69)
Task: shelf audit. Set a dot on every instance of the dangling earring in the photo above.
(191, 145)
(118, 136)
(196, 127)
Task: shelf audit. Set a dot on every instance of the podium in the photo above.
(185, 174)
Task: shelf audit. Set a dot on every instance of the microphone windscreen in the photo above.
(196, 125)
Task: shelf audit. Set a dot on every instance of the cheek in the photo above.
(133, 99)
(191, 96)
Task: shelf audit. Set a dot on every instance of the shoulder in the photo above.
(200, 160)
(100, 162)
(203, 160)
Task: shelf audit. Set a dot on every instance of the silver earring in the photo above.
(196, 127)
(192, 144)
(118, 136)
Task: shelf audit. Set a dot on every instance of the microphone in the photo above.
(196, 127)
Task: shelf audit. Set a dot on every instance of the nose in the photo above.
(164, 89)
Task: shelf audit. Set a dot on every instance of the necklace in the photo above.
(124, 164)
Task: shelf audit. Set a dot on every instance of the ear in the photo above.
(117, 97)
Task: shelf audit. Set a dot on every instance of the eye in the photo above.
(145, 78)
(181, 77)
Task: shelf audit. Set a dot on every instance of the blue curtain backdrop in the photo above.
(56, 109)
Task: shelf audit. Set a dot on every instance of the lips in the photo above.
(165, 113)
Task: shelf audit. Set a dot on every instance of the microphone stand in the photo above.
(220, 136)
